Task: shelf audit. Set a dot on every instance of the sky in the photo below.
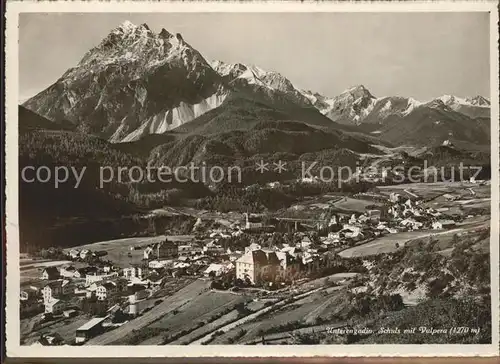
(420, 55)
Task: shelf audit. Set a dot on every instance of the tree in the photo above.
(238, 282)
(119, 316)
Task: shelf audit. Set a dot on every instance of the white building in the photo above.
(99, 276)
(374, 215)
(333, 221)
(450, 197)
(251, 222)
(313, 179)
(255, 263)
(74, 253)
(411, 224)
(133, 272)
(218, 269)
(353, 219)
(391, 230)
(91, 290)
(394, 197)
(84, 253)
(351, 231)
(252, 247)
(138, 302)
(67, 287)
(67, 272)
(105, 290)
(212, 248)
(147, 252)
(158, 264)
(305, 242)
(52, 291)
(55, 306)
(443, 224)
(308, 257)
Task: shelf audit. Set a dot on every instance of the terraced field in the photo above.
(170, 304)
(202, 309)
(306, 311)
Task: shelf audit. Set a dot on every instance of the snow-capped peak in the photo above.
(231, 70)
(358, 91)
(412, 105)
(323, 103)
(128, 29)
(454, 101)
(131, 43)
(447, 99)
(273, 83)
(226, 69)
(237, 71)
(222, 68)
(478, 101)
(254, 75)
(127, 26)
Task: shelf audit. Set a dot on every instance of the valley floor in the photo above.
(188, 310)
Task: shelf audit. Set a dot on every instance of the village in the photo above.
(253, 256)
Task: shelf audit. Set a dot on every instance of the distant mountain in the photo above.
(134, 83)
(254, 78)
(405, 120)
(358, 106)
(478, 101)
(432, 124)
(350, 107)
(475, 107)
(272, 89)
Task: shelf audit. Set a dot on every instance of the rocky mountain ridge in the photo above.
(137, 82)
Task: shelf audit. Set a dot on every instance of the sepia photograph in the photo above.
(315, 180)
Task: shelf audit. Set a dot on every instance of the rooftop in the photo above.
(108, 285)
(446, 222)
(259, 257)
(51, 270)
(90, 324)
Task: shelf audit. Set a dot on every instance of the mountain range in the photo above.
(137, 82)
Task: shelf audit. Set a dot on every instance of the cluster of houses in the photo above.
(402, 214)
(409, 214)
(60, 289)
(132, 288)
